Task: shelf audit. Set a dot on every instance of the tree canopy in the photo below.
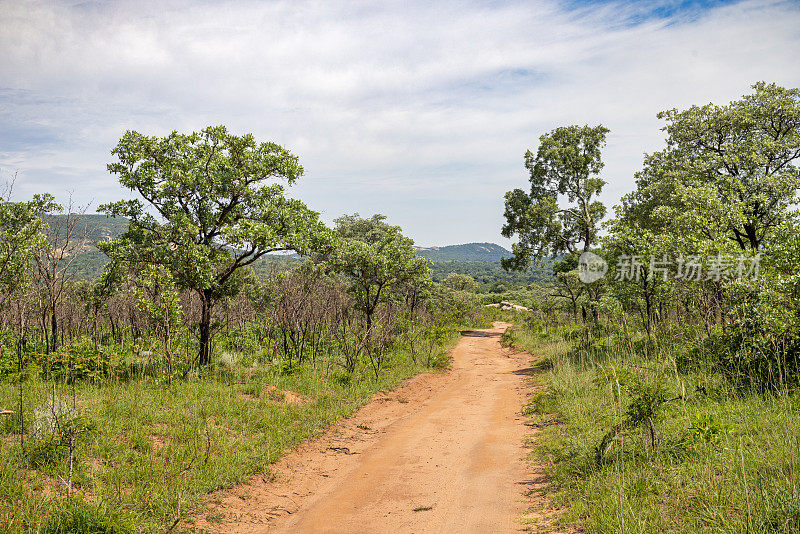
(727, 171)
(375, 257)
(209, 206)
(21, 237)
(565, 165)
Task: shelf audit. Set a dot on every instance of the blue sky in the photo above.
(421, 111)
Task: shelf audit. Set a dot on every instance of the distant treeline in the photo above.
(481, 261)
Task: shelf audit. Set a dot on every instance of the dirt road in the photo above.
(442, 453)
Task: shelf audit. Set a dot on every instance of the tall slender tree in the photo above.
(565, 167)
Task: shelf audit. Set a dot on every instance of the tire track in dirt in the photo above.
(441, 453)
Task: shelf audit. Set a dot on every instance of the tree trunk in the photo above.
(114, 336)
(168, 350)
(54, 327)
(46, 332)
(648, 309)
(752, 237)
(205, 329)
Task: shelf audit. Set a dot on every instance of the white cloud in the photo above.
(407, 109)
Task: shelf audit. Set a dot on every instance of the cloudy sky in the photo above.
(418, 110)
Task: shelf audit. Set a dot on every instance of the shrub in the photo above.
(761, 348)
(78, 361)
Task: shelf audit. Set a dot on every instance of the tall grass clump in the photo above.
(644, 444)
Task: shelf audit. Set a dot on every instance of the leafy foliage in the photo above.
(216, 213)
(376, 258)
(566, 164)
(728, 172)
(20, 238)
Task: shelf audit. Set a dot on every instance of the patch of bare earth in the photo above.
(278, 396)
(43, 485)
(284, 395)
(444, 452)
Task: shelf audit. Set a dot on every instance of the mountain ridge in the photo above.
(99, 227)
(464, 252)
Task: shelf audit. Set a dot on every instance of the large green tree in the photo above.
(565, 167)
(210, 205)
(460, 282)
(728, 173)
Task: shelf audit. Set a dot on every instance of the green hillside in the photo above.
(479, 260)
(466, 252)
(95, 226)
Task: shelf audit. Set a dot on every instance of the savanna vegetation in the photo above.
(180, 369)
(667, 334)
(669, 399)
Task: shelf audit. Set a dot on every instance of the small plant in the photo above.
(435, 336)
(645, 409)
(56, 428)
(78, 361)
(12, 423)
(44, 452)
(51, 416)
(708, 429)
(287, 367)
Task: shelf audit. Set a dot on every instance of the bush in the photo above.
(78, 361)
(44, 451)
(760, 349)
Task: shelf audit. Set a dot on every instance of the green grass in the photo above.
(147, 449)
(723, 461)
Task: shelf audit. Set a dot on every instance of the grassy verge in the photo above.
(146, 452)
(643, 447)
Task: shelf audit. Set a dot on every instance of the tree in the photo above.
(641, 277)
(567, 284)
(157, 296)
(566, 164)
(65, 240)
(728, 172)
(370, 230)
(210, 209)
(460, 282)
(375, 257)
(21, 237)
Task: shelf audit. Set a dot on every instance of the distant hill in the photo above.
(96, 227)
(100, 227)
(89, 261)
(480, 260)
(467, 252)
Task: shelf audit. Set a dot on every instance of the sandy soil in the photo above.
(441, 453)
